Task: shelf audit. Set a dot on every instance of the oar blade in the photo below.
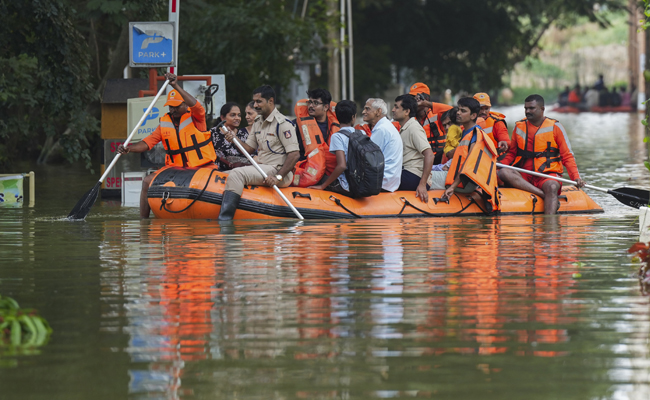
(631, 197)
(83, 206)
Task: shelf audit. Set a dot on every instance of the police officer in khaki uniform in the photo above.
(274, 138)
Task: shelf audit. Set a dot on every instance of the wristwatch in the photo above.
(278, 177)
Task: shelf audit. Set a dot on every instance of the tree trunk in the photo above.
(119, 59)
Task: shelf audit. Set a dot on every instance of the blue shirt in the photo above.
(389, 141)
(340, 142)
(466, 131)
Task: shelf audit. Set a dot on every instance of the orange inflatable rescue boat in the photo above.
(196, 193)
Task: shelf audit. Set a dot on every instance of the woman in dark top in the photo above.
(228, 157)
(251, 114)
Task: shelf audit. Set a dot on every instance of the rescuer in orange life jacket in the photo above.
(493, 123)
(315, 124)
(184, 137)
(474, 162)
(539, 144)
(428, 115)
(321, 110)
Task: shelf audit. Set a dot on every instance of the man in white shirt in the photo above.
(388, 139)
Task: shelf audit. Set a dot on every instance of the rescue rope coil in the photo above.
(164, 199)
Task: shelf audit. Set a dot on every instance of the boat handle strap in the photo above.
(298, 194)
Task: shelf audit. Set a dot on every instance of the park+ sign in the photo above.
(151, 44)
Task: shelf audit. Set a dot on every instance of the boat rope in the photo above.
(408, 203)
(338, 203)
(471, 201)
(534, 203)
(163, 202)
(481, 195)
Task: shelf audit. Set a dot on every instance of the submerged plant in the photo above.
(21, 330)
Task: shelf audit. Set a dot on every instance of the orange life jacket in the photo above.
(310, 171)
(488, 125)
(365, 128)
(478, 166)
(319, 160)
(186, 146)
(436, 135)
(546, 153)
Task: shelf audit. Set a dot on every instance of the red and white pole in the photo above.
(174, 14)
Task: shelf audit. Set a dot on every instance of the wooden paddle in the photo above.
(261, 171)
(631, 197)
(82, 208)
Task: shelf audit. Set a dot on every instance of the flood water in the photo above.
(447, 308)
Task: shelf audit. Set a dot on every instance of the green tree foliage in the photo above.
(104, 26)
(54, 58)
(252, 42)
(44, 69)
(56, 55)
(458, 44)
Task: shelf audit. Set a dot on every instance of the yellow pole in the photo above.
(32, 188)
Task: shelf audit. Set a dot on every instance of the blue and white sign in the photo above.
(136, 107)
(152, 44)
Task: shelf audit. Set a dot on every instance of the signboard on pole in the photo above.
(136, 107)
(152, 44)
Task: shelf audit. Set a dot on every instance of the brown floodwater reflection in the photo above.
(445, 308)
(377, 308)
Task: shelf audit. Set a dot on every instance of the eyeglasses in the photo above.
(314, 103)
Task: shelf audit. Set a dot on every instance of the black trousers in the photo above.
(409, 181)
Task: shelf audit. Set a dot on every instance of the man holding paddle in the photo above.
(184, 137)
(539, 144)
(274, 138)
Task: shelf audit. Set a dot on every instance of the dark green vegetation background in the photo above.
(56, 56)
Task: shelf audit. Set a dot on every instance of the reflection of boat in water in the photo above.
(600, 110)
(234, 307)
(196, 193)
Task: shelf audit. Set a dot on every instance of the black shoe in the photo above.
(227, 227)
(229, 205)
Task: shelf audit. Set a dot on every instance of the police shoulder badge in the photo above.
(287, 134)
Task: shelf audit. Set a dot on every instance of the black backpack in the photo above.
(365, 172)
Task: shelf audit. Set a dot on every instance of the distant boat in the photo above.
(601, 110)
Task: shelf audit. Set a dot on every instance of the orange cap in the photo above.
(419, 88)
(174, 99)
(483, 99)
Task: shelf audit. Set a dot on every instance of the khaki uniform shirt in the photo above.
(271, 141)
(414, 142)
